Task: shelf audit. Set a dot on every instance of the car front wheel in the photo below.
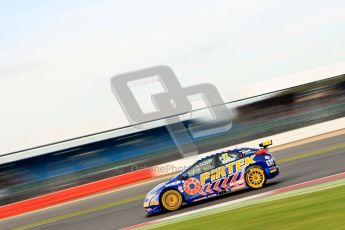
(171, 200)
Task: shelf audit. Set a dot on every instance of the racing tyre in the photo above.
(255, 177)
(171, 200)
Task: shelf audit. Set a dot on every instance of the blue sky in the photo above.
(56, 57)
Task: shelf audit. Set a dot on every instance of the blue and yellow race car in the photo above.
(214, 175)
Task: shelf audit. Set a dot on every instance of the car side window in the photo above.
(203, 166)
(227, 157)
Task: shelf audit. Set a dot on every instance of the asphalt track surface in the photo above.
(123, 207)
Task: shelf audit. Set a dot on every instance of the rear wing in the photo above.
(265, 144)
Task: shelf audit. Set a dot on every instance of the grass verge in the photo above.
(323, 209)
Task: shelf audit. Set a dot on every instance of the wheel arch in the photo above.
(260, 164)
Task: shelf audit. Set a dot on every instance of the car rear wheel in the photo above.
(171, 200)
(255, 177)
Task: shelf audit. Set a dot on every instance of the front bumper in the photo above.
(152, 209)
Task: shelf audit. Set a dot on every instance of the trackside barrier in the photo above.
(73, 193)
(159, 170)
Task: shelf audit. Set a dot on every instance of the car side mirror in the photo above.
(184, 176)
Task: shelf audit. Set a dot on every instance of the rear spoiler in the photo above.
(265, 144)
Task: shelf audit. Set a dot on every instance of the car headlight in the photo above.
(154, 200)
(151, 199)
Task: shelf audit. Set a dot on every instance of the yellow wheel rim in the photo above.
(172, 200)
(256, 178)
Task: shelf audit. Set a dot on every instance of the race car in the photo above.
(214, 175)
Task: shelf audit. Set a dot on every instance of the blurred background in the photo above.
(56, 57)
(61, 125)
(111, 153)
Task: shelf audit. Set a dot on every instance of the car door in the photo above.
(192, 185)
